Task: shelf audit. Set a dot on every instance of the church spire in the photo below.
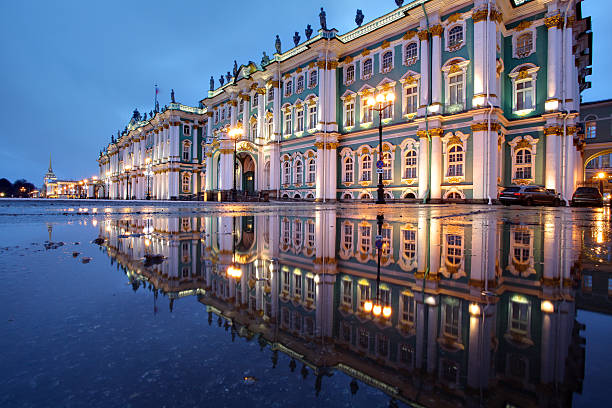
(50, 169)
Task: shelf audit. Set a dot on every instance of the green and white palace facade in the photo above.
(487, 95)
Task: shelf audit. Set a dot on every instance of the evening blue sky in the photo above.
(73, 71)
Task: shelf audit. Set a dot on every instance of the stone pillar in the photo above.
(261, 115)
(553, 156)
(233, 113)
(484, 162)
(553, 71)
(437, 167)
(226, 175)
(277, 114)
(326, 172)
(485, 52)
(423, 163)
(435, 244)
(209, 166)
(273, 149)
(436, 63)
(424, 58)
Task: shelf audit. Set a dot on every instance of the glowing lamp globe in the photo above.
(390, 97)
(377, 310)
(371, 101)
(367, 306)
(386, 312)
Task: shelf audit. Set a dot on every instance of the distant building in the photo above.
(54, 188)
(487, 94)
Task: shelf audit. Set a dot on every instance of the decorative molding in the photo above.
(554, 21)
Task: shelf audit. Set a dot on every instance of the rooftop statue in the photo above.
(277, 44)
(222, 80)
(145, 116)
(399, 3)
(136, 115)
(359, 18)
(212, 83)
(323, 19)
(265, 60)
(235, 69)
(151, 114)
(296, 38)
(308, 31)
(172, 96)
(228, 76)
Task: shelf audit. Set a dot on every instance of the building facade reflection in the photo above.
(483, 308)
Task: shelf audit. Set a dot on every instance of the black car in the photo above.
(529, 195)
(587, 196)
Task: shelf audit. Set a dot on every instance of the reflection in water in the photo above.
(482, 309)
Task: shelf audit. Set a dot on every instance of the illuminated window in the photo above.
(347, 293)
(454, 249)
(387, 112)
(408, 244)
(186, 182)
(519, 315)
(523, 164)
(386, 240)
(348, 170)
(591, 129)
(312, 116)
(366, 168)
(299, 120)
(411, 99)
(521, 248)
(288, 123)
(367, 112)
(349, 113)
(524, 94)
(364, 293)
(410, 164)
(455, 161)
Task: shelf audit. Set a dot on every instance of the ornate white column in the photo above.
(484, 162)
(424, 88)
(552, 165)
(261, 115)
(436, 63)
(436, 163)
(209, 166)
(423, 163)
(277, 114)
(553, 71)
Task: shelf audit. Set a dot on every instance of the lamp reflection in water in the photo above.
(377, 308)
(235, 134)
(234, 270)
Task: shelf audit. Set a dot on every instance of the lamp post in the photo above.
(127, 178)
(379, 103)
(235, 133)
(107, 174)
(601, 176)
(148, 175)
(377, 308)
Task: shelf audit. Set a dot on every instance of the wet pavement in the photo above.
(276, 305)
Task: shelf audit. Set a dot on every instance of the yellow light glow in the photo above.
(377, 310)
(551, 105)
(371, 101)
(601, 175)
(367, 306)
(474, 309)
(147, 242)
(380, 98)
(108, 228)
(94, 223)
(390, 97)
(148, 160)
(430, 300)
(386, 312)
(236, 132)
(94, 178)
(85, 181)
(547, 306)
(478, 100)
(108, 173)
(233, 271)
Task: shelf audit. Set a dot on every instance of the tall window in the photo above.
(288, 123)
(367, 68)
(368, 111)
(347, 236)
(350, 74)
(347, 293)
(524, 94)
(455, 89)
(310, 288)
(387, 112)
(286, 238)
(311, 170)
(271, 94)
(366, 168)
(312, 116)
(270, 127)
(186, 151)
(522, 169)
(310, 238)
(349, 108)
(410, 53)
(412, 98)
(297, 233)
(300, 84)
(365, 238)
(455, 161)
(386, 231)
(410, 164)
(450, 311)
(524, 45)
(387, 61)
(364, 293)
(407, 308)
(521, 248)
(286, 172)
(222, 113)
(300, 120)
(387, 166)
(454, 249)
(312, 82)
(297, 285)
(408, 244)
(288, 88)
(591, 129)
(348, 170)
(519, 315)
(255, 99)
(455, 36)
(299, 172)
(254, 131)
(186, 130)
(186, 182)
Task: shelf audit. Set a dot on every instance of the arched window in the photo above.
(350, 74)
(366, 168)
(313, 78)
(453, 196)
(410, 164)
(288, 88)
(455, 36)
(311, 170)
(367, 68)
(524, 45)
(186, 151)
(522, 164)
(348, 170)
(410, 53)
(271, 94)
(387, 166)
(186, 182)
(521, 246)
(387, 61)
(300, 84)
(286, 172)
(455, 161)
(591, 128)
(298, 172)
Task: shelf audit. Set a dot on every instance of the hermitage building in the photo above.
(487, 94)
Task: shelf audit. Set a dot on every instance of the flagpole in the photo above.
(155, 104)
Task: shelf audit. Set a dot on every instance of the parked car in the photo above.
(587, 196)
(528, 195)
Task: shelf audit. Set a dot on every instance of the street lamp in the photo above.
(128, 187)
(148, 174)
(601, 176)
(235, 133)
(378, 308)
(380, 102)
